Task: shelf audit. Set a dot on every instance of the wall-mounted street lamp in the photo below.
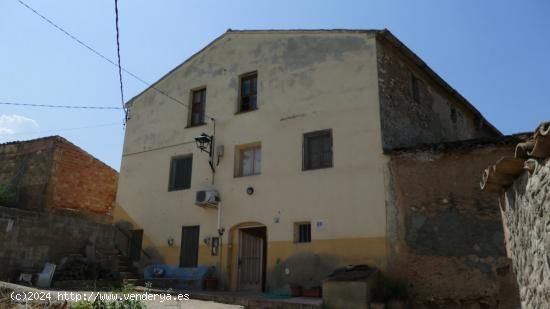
(205, 143)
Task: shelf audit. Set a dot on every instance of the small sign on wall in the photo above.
(215, 246)
(320, 224)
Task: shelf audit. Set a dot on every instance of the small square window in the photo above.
(248, 93)
(198, 104)
(302, 232)
(249, 160)
(317, 150)
(180, 173)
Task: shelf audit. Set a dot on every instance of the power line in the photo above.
(65, 129)
(119, 67)
(105, 57)
(61, 106)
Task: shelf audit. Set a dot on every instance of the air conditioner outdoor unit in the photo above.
(207, 198)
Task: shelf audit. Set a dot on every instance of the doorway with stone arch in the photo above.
(248, 256)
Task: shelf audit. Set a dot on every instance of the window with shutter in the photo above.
(317, 150)
(180, 173)
(198, 104)
(248, 92)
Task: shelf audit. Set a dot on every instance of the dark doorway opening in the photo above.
(189, 254)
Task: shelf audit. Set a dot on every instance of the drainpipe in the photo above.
(220, 249)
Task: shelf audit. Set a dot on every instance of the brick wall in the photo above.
(52, 173)
(447, 243)
(80, 181)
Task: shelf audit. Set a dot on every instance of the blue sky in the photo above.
(495, 53)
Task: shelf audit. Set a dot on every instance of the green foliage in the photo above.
(7, 195)
(82, 304)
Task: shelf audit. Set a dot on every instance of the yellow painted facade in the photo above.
(307, 81)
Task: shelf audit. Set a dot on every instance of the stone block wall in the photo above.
(28, 239)
(27, 167)
(417, 107)
(526, 217)
(446, 239)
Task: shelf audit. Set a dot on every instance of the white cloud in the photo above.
(15, 124)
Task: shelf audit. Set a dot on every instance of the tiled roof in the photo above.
(503, 173)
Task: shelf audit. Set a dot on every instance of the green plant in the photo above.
(82, 304)
(7, 195)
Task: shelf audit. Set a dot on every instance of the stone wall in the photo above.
(28, 239)
(415, 108)
(27, 167)
(526, 216)
(447, 243)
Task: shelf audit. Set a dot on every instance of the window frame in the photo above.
(172, 175)
(306, 164)
(192, 107)
(298, 232)
(242, 79)
(238, 173)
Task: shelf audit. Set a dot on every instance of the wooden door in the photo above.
(251, 260)
(189, 254)
(136, 241)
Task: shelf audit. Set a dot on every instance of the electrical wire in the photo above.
(74, 38)
(61, 106)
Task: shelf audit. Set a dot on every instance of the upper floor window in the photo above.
(180, 173)
(249, 160)
(248, 93)
(317, 150)
(198, 103)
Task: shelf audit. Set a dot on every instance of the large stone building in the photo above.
(304, 124)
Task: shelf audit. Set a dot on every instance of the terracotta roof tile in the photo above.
(503, 173)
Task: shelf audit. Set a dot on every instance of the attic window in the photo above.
(198, 102)
(248, 93)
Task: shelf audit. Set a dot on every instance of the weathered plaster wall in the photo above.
(435, 115)
(526, 217)
(28, 239)
(306, 81)
(447, 243)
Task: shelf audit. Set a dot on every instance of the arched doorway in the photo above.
(249, 243)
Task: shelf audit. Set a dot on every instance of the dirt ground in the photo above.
(12, 296)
